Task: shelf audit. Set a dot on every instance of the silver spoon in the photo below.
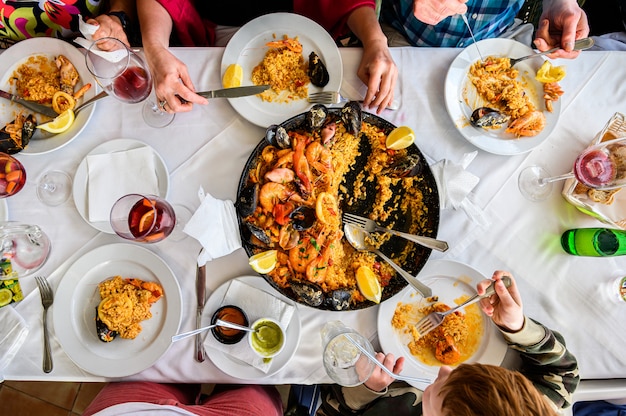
(579, 45)
(219, 322)
(92, 100)
(356, 237)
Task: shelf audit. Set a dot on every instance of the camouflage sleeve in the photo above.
(546, 361)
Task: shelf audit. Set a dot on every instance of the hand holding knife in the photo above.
(200, 294)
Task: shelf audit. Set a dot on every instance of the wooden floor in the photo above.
(37, 398)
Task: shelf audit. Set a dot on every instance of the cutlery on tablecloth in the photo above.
(199, 352)
(356, 237)
(333, 97)
(46, 300)
(234, 92)
(371, 226)
(434, 319)
(579, 45)
(38, 108)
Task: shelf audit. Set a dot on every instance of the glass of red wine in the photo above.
(601, 166)
(12, 175)
(124, 74)
(142, 218)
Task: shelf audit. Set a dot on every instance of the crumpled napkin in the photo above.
(214, 225)
(257, 304)
(113, 175)
(87, 30)
(455, 185)
(13, 333)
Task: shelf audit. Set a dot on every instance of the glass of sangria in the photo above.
(601, 166)
(12, 175)
(142, 218)
(124, 75)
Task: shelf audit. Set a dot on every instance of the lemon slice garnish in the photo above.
(233, 76)
(400, 138)
(264, 262)
(326, 207)
(60, 124)
(368, 284)
(5, 296)
(548, 73)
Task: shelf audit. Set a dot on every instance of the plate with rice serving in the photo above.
(526, 110)
(29, 70)
(295, 187)
(275, 49)
(467, 335)
(116, 310)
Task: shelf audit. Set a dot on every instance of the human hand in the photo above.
(561, 24)
(172, 81)
(378, 71)
(432, 12)
(108, 27)
(505, 306)
(380, 379)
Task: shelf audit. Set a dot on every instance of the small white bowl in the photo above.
(271, 329)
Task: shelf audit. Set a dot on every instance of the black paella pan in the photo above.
(429, 219)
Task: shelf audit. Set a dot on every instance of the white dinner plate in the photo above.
(77, 297)
(234, 367)
(462, 99)
(81, 178)
(247, 48)
(16, 55)
(449, 280)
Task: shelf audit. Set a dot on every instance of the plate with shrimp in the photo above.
(469, 337)
(68, 74)
(526, 112)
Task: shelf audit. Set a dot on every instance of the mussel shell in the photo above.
(302, 218)
(248, 200)
(352, 117)
(308, 293)
(9, 145)
(316, 117)
(339, 300)
(485, 117)
(259, 233)
(404, 168)
(317, 71)
(103, 331)
(277, 136)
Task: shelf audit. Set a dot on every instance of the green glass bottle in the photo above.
(595, 242)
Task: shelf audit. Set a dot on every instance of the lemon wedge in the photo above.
(400, 138)
(233, 76)
(326, 208)
(60, 124)
(5, 296)
(368, 284)
(548, 73)
(264, 262)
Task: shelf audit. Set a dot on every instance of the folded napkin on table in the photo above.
(257, 304)
(455, 184)
(214, 225)
(13, 332)
(113, 175)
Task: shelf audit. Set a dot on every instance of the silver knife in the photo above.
(235, 92)
(200, 294)
(38, 108)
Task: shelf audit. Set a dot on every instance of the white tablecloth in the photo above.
(565, 292)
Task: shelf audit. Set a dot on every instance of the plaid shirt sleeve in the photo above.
(487, 18)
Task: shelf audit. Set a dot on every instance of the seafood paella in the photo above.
(300, 180)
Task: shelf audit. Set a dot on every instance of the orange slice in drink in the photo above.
(146, 221)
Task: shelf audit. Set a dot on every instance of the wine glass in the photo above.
(142, 218)
(343, 361)
(12, 175)
(601, 166)
(54, 187)
(123, 74)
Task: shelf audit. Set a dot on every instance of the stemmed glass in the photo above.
(54, 187)
(12, 175)
(124, 75)
(142, 218)
(601, 166)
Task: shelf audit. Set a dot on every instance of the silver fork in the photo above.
(371, 226)
(334, 97)
(434, 319)
(46, 300)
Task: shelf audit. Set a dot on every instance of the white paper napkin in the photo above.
(113, 175)
(214, 225)
(256, 304)
(13, 333)
(455, 185)
(87, 30)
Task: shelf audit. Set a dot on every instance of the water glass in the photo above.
(343, 361)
